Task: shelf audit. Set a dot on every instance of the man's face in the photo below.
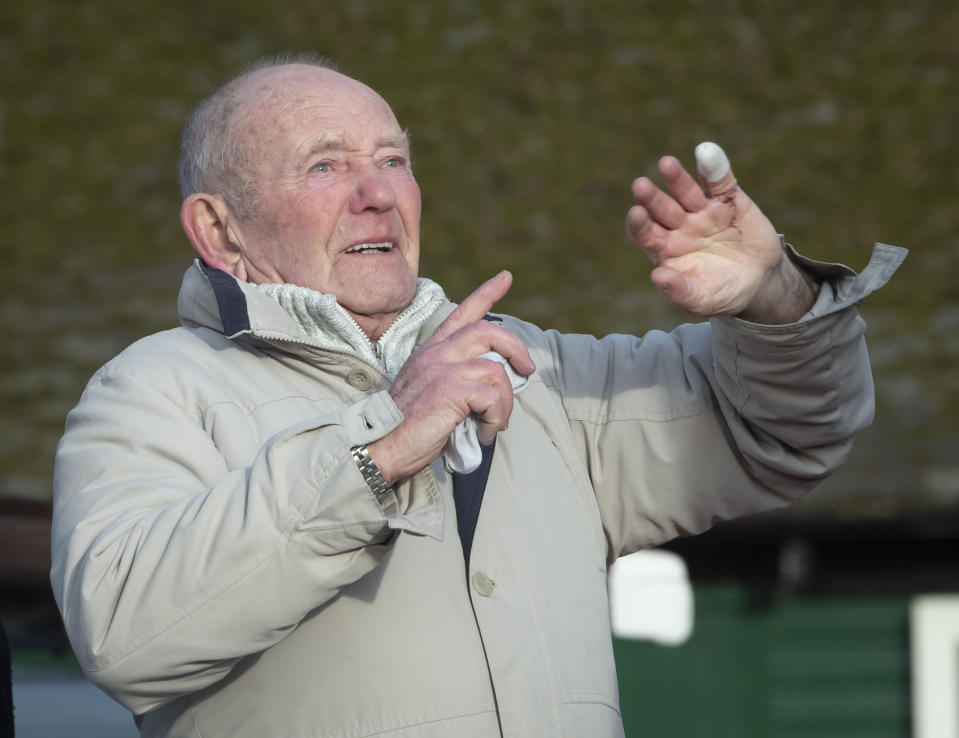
(338, 209)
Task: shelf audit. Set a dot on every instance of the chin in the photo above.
(382, 299)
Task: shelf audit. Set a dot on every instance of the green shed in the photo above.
(807, 630)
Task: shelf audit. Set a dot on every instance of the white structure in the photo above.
(934, 632)
(651, 598)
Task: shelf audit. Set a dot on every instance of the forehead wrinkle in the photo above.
(327, 141)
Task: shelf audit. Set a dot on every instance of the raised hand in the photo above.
(714, 255)
(443, 381)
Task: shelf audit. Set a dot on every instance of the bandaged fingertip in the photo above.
(714, 171)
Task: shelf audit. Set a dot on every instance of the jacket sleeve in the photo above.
(169, 567)
(717, 420)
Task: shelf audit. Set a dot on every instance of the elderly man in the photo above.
(259, 529)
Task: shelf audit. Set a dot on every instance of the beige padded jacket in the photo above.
(223, 569)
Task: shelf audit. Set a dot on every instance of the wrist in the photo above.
(378, 484)
(785, 296)
(380, 453)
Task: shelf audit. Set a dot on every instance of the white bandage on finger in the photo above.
(463, 452)
(714, 170)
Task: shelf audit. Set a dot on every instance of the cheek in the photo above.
(413, 262)
(309, 224)
(409, 201)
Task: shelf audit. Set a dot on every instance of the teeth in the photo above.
(367, 248)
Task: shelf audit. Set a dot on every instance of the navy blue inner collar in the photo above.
(230, 301)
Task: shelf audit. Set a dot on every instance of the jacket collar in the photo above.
(211, 298)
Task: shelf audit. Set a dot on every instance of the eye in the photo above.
(323, 166)
(394, 162)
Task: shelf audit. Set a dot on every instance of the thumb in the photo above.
(675, 286)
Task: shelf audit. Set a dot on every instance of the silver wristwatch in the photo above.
(377, 483)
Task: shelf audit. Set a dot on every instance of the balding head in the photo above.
(215, 153)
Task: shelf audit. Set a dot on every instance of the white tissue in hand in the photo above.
(463, 452)
(711, 161)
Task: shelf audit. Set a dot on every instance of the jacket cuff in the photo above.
(414, 504)
(371, 418)
(840, 289)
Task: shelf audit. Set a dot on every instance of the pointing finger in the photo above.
(474, 307)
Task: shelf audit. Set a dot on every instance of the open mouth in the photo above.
(382, 247)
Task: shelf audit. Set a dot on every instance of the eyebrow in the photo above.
(334, 141)
(399, 140)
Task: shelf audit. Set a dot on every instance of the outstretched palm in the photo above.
(713, 256)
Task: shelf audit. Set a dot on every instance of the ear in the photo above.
(208, 224)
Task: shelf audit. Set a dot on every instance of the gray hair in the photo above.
(214, 156)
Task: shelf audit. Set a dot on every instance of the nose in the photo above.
(374, 192)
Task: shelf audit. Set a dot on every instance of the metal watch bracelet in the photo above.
(377, 483)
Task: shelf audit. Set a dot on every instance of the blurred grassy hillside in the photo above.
(529, 120)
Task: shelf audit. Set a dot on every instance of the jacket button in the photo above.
(482, 584)
(359, 379)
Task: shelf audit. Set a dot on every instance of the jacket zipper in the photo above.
(376, 347)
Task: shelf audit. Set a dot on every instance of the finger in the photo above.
(681, 184)
(661, 207)
(475, 306)
(472, 380)
(715, 174)
(495, 372)
(482, 336)
(646, 233)
(486, 429)
(491, 408)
